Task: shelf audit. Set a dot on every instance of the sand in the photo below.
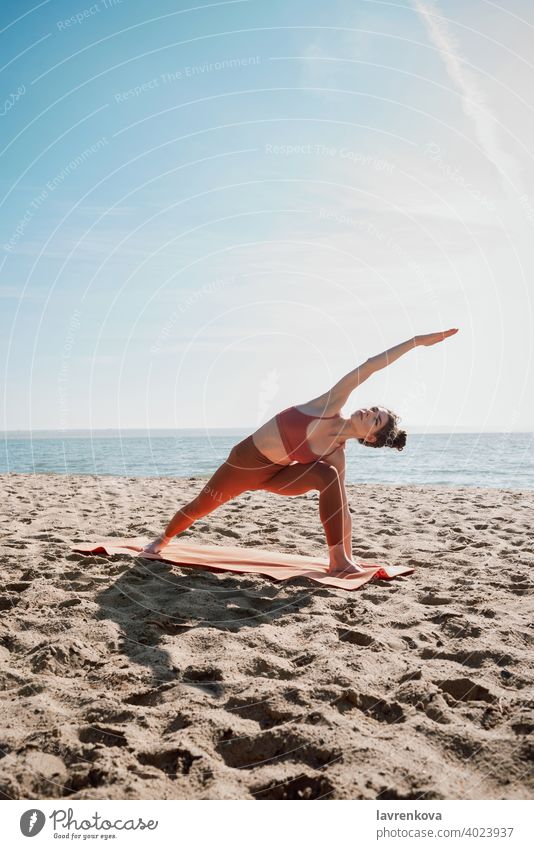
(129, 679)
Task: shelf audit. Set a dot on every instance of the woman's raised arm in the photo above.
(331, 402)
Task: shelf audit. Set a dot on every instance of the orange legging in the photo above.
(246, 468)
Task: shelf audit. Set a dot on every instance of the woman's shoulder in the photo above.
(317, 411)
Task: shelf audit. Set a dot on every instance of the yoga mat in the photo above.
(218, 558)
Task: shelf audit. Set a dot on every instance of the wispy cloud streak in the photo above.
(474, 103)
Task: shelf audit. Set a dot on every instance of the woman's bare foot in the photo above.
(157, 545)
(341, 565)
(345, 571)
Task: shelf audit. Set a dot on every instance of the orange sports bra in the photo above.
(292, 425)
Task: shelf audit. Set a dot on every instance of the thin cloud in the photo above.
(474, 103)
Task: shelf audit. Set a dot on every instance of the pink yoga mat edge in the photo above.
(272, 564)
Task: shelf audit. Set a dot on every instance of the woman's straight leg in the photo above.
(244, 469)
(223, 485)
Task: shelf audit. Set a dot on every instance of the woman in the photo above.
(302, 449)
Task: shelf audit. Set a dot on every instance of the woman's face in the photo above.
(368, 421)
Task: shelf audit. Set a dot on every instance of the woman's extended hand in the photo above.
(432, 338)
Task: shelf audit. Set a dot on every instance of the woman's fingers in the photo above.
(432, 338)
(446, 334)
(451, 332)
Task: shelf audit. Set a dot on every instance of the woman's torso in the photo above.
(319, 436)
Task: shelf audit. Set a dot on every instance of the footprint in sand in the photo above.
(14, 589)
(227, 532)
(205, 678)
(264, 712)
(48, 537)
(473, 659)
(18, 586)
(520, 587)
(103, 736)
(168, 625)
(8, 601)
(108, 713)
(172, 761)
(304, 660)
(410, 642)
(149, 698)
(298, 787)
(374, 596)
(435, 599)
(456, 627)
(372, 706)
(273, 745)
(179, 722)
(63, 657)
(355, 638)
(409, 623)
(465, 690)
(263, 667)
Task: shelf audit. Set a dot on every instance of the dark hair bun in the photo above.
(400, 440)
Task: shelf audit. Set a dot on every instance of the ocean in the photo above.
(460, 459)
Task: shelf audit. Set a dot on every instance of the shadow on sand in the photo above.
(152, 601)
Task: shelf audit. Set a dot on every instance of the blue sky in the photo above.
(212, 212)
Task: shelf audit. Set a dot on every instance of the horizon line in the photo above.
(235, 429)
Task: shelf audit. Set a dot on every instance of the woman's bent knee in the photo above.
(325, 475)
